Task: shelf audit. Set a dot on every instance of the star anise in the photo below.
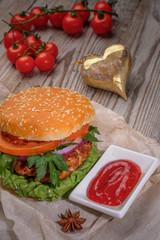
(71, 222)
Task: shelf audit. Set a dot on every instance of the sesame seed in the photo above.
(67, 111)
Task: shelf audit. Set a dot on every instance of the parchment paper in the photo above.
(27, 219)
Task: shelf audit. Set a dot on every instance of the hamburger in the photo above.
(46, 141)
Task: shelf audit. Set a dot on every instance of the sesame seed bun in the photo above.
(45, 113)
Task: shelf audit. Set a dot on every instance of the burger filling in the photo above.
(73, 160)
(51, 166)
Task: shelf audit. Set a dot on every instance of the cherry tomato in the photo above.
(35, 43)
(21, 18)
(56, 19)
(12, 37)
(51, 48)
(102, 25)
(25, 64)
(84, 15)
(15, 51)
(72, 24)
(45, 61)
(40, 21)
(103, 6)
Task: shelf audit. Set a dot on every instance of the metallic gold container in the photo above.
(110, 71)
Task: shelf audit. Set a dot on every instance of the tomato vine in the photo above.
(25, 48)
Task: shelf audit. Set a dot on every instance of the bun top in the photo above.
(45, 113)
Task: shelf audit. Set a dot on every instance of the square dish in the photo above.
(147, 164)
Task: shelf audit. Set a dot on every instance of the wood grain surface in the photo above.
(137, 27)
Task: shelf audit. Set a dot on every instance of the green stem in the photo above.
(90, 10)
(52, 11)
(60, 10)
(9, 24)
(84, 3)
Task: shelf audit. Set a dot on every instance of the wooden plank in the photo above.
(143, 83)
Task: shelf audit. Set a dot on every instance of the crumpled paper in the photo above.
(24, 218)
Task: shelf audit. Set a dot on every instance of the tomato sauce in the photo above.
(114, 182)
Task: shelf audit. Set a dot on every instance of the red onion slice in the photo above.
(71, 148)
(22, 158)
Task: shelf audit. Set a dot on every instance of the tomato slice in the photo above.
(24, 148)
(30, 148)
(80, 133)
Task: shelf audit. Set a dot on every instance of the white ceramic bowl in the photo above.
(147, 164)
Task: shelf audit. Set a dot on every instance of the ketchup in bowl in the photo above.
(114, 182)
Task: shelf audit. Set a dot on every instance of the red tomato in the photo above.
(40, 21)
(29, 148)
(45, 61)
(102, 25)
(72, 24)
(51, 48)
(34, 42)
(12, 37)
(25, 64)
(103, 6)
(80, 133)
(21, 18)
(56, 18)
(14, 52)
(84, 15)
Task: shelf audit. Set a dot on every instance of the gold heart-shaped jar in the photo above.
(109, 72)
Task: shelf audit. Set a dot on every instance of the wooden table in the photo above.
(138, 28)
